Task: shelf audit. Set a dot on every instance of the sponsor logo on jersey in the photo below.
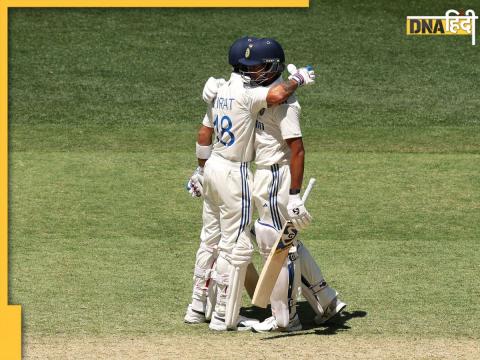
(259, 125)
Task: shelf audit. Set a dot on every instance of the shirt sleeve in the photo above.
(208, 118)
(257, 99)
(289, 116)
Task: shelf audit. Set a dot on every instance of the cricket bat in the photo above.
(276, 258)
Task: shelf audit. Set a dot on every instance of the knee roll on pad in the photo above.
(241, 257)
(241, 253)
(266, 236)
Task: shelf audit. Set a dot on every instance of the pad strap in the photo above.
(316, 288)
(202, 273)
(221, 279)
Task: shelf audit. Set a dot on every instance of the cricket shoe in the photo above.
(218, 324)
(334, 308)
(270, 325)
(194, 316)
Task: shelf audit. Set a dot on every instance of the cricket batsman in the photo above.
(276, 193)
(226, 185)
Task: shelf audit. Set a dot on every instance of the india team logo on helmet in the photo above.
(238, 48)
(247, 53)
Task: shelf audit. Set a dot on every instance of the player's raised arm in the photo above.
(281, 92)
(263, 63)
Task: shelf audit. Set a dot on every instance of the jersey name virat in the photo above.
(232, 115)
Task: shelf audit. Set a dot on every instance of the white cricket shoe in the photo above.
(244, 323)
(334, 308)
(270, 325)
(194, 316)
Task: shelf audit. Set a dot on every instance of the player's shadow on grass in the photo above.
(337, 324)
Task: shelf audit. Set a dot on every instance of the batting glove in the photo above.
(195, 183)
(211, 88)
(303, 75)
(298, 214)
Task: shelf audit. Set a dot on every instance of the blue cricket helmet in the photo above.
(269, 54)
(237, 50)
(263, 51)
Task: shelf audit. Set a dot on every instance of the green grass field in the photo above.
(104, 108)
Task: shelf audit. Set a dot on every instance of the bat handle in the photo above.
(309, 188)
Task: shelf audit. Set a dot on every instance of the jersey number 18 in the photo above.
(223, 127)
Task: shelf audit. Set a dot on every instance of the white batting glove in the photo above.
(211, 88)
(303, 76)
(195, 183)
(297, 212)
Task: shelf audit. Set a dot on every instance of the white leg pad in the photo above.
(221, 277)
(211, 294)
(234, 296)
(204, 265)
(285, 291)
(284, 294)
(239, 259)
(314, 287)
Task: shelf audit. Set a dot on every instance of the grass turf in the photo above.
(104, 105)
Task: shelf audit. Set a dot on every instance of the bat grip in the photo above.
(309, 188)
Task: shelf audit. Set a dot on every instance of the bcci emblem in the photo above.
(247, 53)
(453, 23)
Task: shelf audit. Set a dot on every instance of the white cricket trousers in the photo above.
(227, 205)
(227, 212)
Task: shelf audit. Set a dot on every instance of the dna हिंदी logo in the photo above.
(453, 23)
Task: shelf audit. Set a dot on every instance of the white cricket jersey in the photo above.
(232, 115)
(273, 126)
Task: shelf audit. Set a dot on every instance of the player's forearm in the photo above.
(281, 92)
(204, 140)
(296, 170)
(204, 136)
(297, 161)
